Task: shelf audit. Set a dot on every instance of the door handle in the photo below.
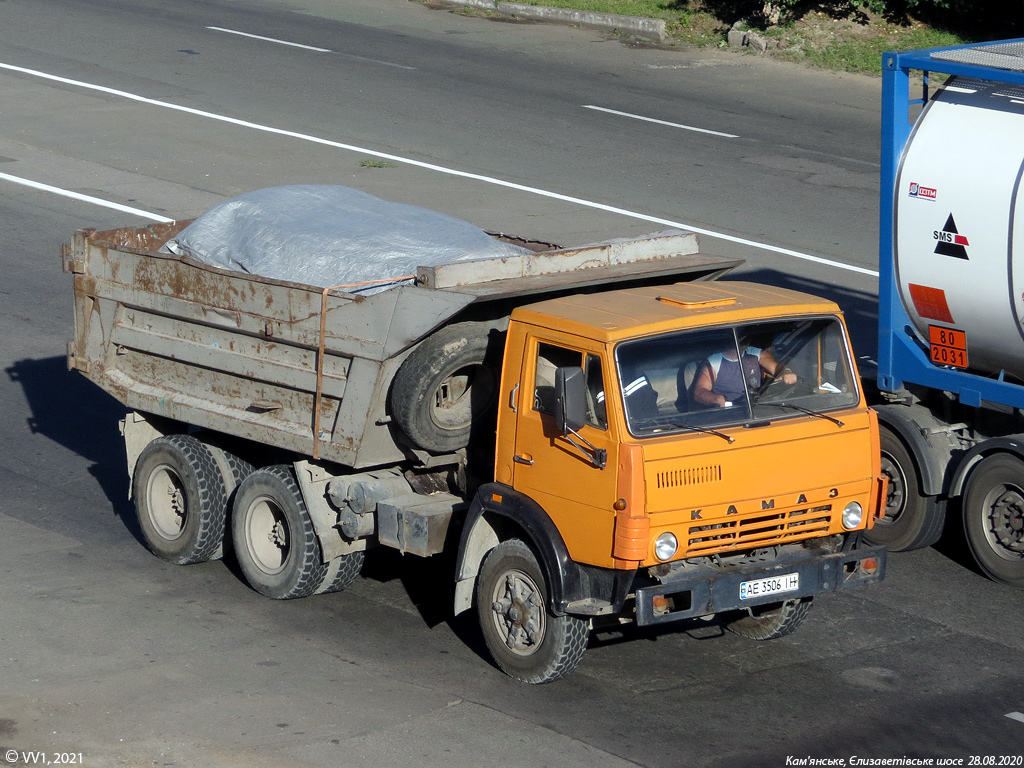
(523, 459)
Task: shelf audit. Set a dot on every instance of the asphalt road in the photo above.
(117, 657)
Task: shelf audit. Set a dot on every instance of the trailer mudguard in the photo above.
(498, 512)
(1012, 444)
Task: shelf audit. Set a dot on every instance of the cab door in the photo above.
(563, 478)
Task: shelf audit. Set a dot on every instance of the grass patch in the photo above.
(376, 164)
(853, 46)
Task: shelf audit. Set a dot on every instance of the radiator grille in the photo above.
(678, 478)
(759, 530)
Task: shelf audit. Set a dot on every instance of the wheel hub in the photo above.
(277, 534)
(167, 503)
(176, 501)
(519, 613)
(1007, 520)
(895, 499)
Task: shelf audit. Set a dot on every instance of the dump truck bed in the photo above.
(295, 366)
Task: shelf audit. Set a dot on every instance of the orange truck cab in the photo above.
(667, 453)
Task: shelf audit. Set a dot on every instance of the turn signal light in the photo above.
(868, 566)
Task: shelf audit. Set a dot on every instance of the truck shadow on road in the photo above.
(76, 414)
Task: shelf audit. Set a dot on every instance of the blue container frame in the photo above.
(901, 360)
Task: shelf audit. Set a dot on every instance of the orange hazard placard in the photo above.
(948, 346)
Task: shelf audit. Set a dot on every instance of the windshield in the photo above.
(700, 380)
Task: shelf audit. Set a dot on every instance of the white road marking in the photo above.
(311, 48)
(1016, 716)
(660, 122)
(80, 196)
(270, 39)
(449, 171)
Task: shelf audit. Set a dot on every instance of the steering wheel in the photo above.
(781, 390)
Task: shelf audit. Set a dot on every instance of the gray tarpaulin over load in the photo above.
(326, 235)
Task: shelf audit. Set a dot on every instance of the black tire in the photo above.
(180, 499)
(912, 520)
(233, 471)
(525, 639)
(994, 517)
(447, 388)
(341, 572)
(768, 622)
(274, 539)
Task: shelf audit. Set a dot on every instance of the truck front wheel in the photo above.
(994, 518)
(768, 622)
(912, 520)
(180, 499)
(525, 639)
(274, 539)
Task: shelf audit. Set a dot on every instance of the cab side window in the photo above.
(596, 413)
(550, 357)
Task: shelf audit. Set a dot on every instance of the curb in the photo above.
(637, 26)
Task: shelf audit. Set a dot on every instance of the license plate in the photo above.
(773, 585)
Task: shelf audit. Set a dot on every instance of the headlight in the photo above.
(853, 515)
(665, 546)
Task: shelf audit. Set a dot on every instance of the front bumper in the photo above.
(705, 589)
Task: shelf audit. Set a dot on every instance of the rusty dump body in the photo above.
(297, 367)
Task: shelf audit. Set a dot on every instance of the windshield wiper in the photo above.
(808, 411)
(705, 430)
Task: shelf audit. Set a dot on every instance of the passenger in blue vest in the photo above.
(722, 379)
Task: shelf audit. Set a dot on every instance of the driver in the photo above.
(721, 376)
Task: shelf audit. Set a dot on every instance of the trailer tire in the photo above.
(180, 499)
(274, 538)
(524, 637)
(993, 507)
(446, 389)
(912, 520)
(341, 572)
(769, 622)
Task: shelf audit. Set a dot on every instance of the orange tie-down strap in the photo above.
(320, 349)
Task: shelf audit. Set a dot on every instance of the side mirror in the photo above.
(570, 400)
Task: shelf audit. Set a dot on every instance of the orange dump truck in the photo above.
(665, 451)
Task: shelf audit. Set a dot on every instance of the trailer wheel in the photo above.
(341, 572)
(447, 387)
(274, 539)
(768, 622)
(525, 639)
(994, 518)
(912, 520)
(180, 499)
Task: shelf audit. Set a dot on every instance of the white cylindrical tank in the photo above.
(958, 225)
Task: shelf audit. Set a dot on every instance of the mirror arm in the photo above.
(598, 456)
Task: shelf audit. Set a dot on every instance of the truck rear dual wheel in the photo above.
(181, 499)
(447, 388)
(993, 506)
(523, 636)
(273, 536)
(912, 520)
(341, 572)
(769, 622)
(233, 471)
